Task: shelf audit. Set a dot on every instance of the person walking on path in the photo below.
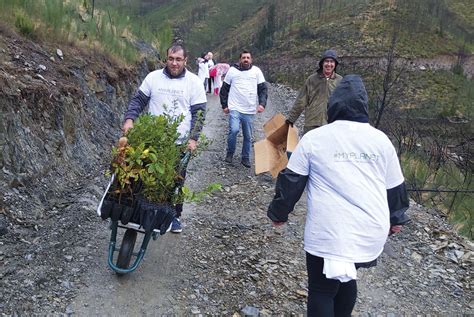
(210, 63)
(203, 69)
(220, 70)
(356, 198)
(175, 91)
(313, 96)
(243, 94)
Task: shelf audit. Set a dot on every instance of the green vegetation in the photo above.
(202, 24)
(153, 157)
(78, 22)
(422, 172)
(428, 94)
(443, 94)
(23, 23)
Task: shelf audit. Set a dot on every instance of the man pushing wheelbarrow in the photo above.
(149, 165)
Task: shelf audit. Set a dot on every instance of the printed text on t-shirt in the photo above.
(355, 157)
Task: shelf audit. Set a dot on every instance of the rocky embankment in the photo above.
(59, 118)
(59, 112)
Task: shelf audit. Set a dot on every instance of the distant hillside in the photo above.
(288, 36)
(426, 28)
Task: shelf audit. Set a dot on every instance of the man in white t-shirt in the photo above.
(356, 197)
(175, 91)
(243, 94)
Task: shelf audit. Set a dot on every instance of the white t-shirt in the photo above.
(350, 167)
(203, 71)
(174, 96)
(210, 63)
(243, 89)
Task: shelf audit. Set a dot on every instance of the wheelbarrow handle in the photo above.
(183, 163)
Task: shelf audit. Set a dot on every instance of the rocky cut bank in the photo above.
(60, 114)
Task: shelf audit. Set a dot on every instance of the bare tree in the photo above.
(391, 75)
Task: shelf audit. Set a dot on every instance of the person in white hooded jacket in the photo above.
(356, 198)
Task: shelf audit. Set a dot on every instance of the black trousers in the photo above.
(179, 185)
(210, 81)
(328, 297)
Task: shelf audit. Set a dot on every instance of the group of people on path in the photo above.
(210, 72)
(356, 193)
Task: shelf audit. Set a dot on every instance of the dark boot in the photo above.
(245, 162)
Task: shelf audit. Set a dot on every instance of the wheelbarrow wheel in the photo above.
(126, 249)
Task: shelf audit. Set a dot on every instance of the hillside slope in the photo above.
(287, 38)
(301, 28)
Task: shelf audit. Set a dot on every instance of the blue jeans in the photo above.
(235, 120)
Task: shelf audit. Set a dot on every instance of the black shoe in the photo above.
(228, 158)
(245, 162)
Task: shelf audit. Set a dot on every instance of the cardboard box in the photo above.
(271, 152)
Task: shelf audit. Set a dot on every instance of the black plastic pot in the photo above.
(153, 216)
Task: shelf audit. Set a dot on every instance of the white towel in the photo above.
(339, 270)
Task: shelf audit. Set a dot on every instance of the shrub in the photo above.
(150, 161)
(23, 23)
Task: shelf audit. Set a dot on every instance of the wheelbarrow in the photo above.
(136, 215)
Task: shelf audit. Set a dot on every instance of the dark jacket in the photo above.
(348, 102)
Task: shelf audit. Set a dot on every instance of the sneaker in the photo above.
(176, 226)
(245, 162)
(228, 158)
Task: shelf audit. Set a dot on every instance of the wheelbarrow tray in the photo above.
(136, 215)
(135, 209)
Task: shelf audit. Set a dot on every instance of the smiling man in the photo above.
(175, 91)
(314, 95)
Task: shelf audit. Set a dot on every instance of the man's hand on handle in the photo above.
(192, 145)
(128, 124)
